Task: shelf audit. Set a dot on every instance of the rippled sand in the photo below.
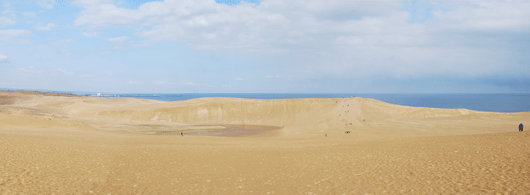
(63, 145)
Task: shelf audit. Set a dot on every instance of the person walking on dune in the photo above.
(521, 126)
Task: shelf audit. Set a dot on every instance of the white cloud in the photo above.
(64, 71)
(10, 13)
(31, 69)
(15, 33)
(62, 42)
(336, 37)
(118, 39)
(189, 83)
(4, 21)
(3, 58)
(48, 27)
(24, 41)
(132, 83)
(29, 14)
(239, 79)
(269, 77)
(163, 83)
(41, 47)
(94, 34)
(46, 4)
(67, 26)
(246, 27)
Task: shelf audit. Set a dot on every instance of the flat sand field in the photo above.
(58, 144)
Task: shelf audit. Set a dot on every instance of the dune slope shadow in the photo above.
(238, 131)
(6, 100)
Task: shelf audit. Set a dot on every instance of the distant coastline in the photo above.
(488, 102)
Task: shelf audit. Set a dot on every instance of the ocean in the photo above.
(490, 102)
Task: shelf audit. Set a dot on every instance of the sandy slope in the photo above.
(83, 144)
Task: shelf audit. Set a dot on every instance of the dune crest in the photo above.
(365, 118)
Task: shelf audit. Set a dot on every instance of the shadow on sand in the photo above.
(230, 131)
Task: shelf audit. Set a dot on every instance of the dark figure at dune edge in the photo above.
(521, 126)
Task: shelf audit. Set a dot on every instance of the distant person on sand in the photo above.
(181, 134)
(326, 135)
(521, 126)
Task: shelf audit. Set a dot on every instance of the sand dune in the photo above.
(75, 144)
(298, 116)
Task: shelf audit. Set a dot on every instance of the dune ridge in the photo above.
(298, 117)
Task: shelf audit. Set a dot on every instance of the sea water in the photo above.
(490, 102)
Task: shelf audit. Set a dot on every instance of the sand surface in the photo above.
(81, 145)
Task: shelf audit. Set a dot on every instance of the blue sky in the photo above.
(268, 46)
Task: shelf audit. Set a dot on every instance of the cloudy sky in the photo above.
(283, 46)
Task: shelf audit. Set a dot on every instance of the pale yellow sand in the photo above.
(65, 145)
